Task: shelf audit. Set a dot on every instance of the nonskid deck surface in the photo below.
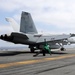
(23, 63)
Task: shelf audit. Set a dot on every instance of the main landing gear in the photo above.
(32, 50)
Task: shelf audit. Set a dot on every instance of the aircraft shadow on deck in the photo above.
(57, 52)
(12, 53)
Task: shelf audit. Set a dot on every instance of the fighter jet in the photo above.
(27, 34)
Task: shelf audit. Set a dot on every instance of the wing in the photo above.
(55, 39)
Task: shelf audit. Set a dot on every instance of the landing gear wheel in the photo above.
(32, 50)
(62, 49)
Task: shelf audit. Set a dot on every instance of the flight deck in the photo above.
(23, 63)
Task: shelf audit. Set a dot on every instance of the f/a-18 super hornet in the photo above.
(28, 35)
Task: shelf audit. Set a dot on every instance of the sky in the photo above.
(50, 16)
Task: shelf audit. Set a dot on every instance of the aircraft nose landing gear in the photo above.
(63, 49)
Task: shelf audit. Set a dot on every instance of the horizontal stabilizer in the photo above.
(13, 23)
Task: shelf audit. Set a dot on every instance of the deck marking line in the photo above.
(34, 61)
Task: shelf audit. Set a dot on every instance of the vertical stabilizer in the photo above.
(27, 24)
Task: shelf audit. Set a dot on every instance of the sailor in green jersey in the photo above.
(47, 48)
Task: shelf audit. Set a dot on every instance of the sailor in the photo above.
(47, 48)
(44, 49)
